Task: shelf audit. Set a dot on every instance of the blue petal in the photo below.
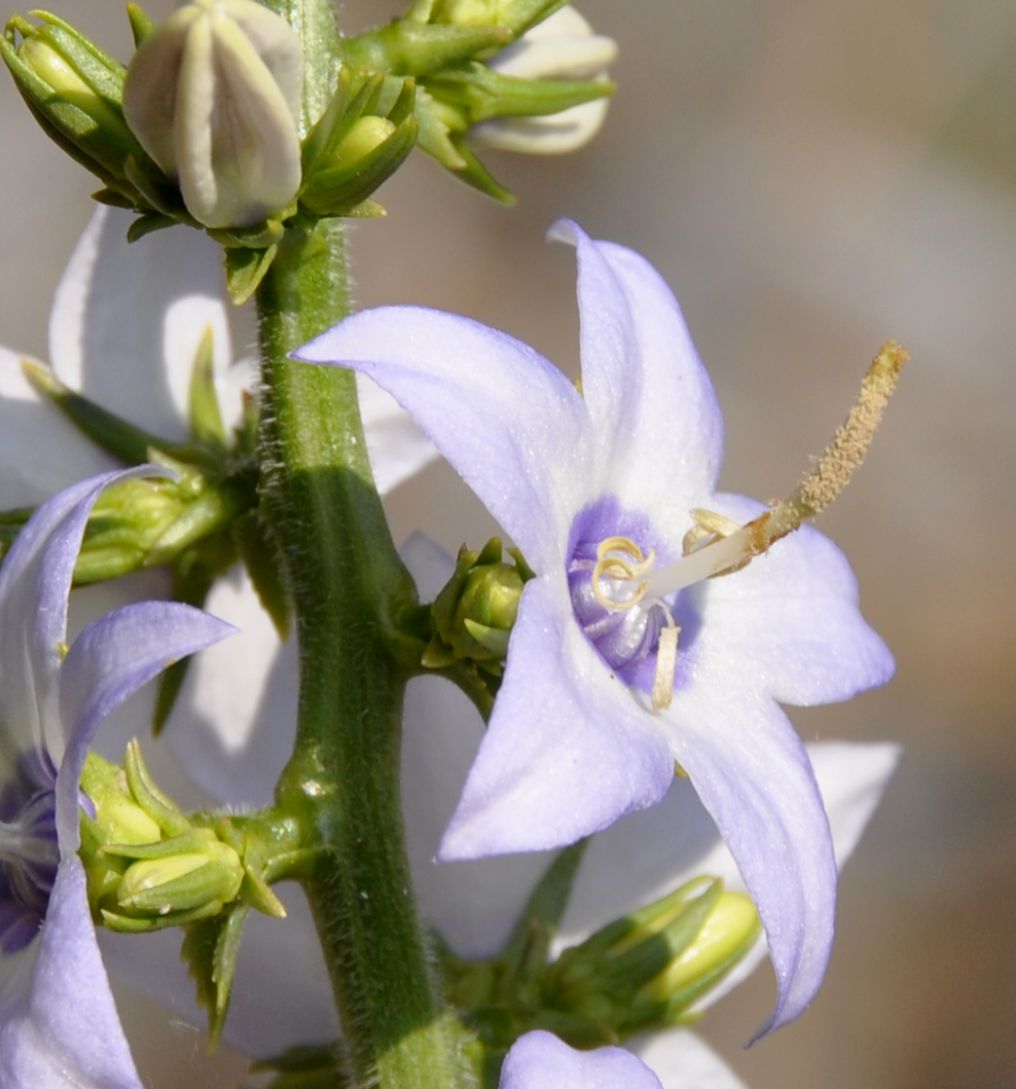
(509, 422)
(111, 659)
(648, 394)
(568, 750)
(35, 581)
(539, 1060)
(66, 1033)
(753, 775)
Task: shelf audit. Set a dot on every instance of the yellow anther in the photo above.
(619, 559)
(666, 663)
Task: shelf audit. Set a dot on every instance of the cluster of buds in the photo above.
(644, 971)
(148, 865)
(520, 75)
(472, 617)
(205, 126)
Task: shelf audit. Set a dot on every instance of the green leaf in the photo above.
(528, 948)
(203, 401)
(245, 269)
(209, 950)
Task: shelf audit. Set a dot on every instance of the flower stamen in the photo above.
(711, 548)
(666, 662)
(619, 559)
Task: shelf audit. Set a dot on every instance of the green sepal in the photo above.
(475, 174)
(123, 440)
(204, 417)
(245, 269)
(486, 93)
(141, 25)
(127, 924)
(209, 950)
(409, 48)
(81, 110)
(528, 948)
(260, 557)
(162, 809)
(146, 224)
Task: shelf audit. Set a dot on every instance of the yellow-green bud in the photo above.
(213, 94)
(728, 932)
(181, 882)
(366, 135)
(647, 969)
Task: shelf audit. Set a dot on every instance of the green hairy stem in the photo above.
(346, 579)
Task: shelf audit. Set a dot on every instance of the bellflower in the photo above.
(596, 487)
(124, 329)
(58, 1022)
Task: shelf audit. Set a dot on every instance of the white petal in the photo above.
(127, 319)
(235, 718)
(682, 1061)
(41, 452)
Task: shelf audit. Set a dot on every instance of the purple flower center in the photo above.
(29, 853)
(626, 638)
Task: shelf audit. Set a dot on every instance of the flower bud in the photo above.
(192, 872)
(474, 614)
(562, 47)
(213, 94)
(647, 970)
(74, 91)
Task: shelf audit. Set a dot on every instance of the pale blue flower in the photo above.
(573, 742)
(539, 1060)
(58, 1022)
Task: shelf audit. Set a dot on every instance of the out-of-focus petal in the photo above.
(40, 453)
(568, 749)
(127, 319)
(398, 449)
(506, 419)
(66, 1035)
(539, 1060)
(681, 1060)
(234, 738)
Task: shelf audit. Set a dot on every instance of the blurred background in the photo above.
(812, 179)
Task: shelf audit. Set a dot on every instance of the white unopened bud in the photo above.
(213, 95)
(562, 47)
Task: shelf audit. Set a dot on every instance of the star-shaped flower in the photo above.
(58, 1023)
(596, 487)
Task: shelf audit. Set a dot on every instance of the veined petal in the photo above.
(788, 623)
(508, 421)
(681, 1060)
(39, 452)
(568, 749)
(111, 659)
(752, 774)
(539, 1060)
(648, 394)
(474, 905)
(66, 1033)
(127, 319)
